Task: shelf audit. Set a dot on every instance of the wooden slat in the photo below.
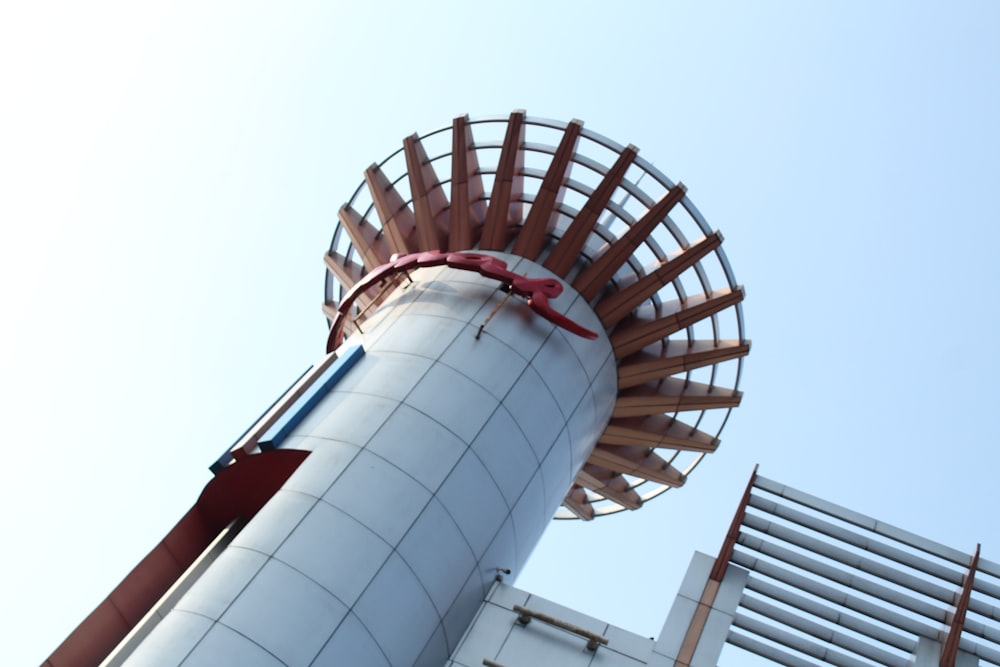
(429, 199)
(577, 503)
(397, 219)
(733, 534)
(468, 210)
(592, 279)
(638, 462)
(542, 216)
(673, 394)
(367, 240)
(617, 305)
(609, 484)
(343, 269)
(679, 356)
(638, 332)
(657, 431)
(505, 205)
(949, 652)
(567, 250)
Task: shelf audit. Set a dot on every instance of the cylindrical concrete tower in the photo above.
(519, 309)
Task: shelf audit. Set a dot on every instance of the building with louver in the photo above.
(799, 581)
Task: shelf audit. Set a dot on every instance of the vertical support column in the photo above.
(950, 652)
(699, 620)
(726, 551)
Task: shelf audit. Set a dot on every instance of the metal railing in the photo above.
(524, 616)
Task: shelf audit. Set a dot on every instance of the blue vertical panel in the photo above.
(297, 412)
(280, 430)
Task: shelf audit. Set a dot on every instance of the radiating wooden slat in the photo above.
(397, 219)
(673, 395)
(617, 305)
(505, 206)
(429, 199)
(630, 308)
(657, 431)
(638, 462)
(638, 332)
(367, 240)
(577, 503)
(567, 250)
(343, 269)
(949, 652)
(468, 210)
(609, 484)
(677, 357)
(542, 216)
(592, 279)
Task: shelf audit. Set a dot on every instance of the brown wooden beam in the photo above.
(505, 200)
(468, 210)
(726, 552)
(638, 332)
(677, 357)
(949, 652)
(615, 306)
(657, 431)
(542, 216)
(609, 484)
(577, 503)
(673, 395)
(429, 200)
(397, 219)
(367, 240)
(637, 461)
(566, 252)
(592, 279)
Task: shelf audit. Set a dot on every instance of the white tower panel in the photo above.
(437, 461)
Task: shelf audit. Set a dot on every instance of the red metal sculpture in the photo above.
(537, 290)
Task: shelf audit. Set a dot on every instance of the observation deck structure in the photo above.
(525, 318)
(613, 227)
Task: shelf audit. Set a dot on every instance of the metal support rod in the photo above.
(506, 287)
(593, 639)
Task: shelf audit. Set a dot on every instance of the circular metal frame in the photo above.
(705, 349)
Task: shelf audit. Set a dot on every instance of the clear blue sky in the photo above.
(170, 174)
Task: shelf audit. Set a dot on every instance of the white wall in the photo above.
(439, 458)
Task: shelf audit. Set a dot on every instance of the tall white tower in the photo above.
(527, 320)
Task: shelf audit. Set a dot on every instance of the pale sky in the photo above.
(169, 180)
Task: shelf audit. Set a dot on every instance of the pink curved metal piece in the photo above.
(537, 290)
